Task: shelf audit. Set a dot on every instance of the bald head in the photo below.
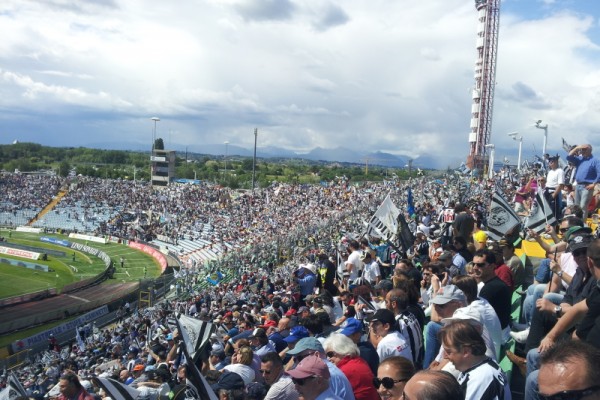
(432, 385)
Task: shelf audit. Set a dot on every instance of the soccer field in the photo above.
(71, 267)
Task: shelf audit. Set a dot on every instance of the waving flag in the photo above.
(116, 390)
(384, 223)
(195, 334)
(502, 218)
(541, 214)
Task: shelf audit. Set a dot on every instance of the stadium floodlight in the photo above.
(515, 136)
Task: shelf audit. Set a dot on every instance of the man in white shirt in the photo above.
(371, 269)
(353, 264)
(384, 336)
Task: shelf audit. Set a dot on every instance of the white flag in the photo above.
(384, 223)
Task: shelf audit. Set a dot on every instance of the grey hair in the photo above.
(341, 344)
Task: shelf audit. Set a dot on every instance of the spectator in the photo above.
(344, 353)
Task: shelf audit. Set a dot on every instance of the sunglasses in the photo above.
(331, 354)
(387, 382)
(299, 358)
(302, 381)
(264, 371)
(579, 252)
(480, 265)
(571, 394)
(563, 230)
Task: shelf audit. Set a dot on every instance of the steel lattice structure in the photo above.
(482, 108)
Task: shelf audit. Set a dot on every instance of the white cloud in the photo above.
(390, 75)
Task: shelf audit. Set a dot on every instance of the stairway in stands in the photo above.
(55, 200)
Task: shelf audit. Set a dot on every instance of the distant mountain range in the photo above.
(339, 154)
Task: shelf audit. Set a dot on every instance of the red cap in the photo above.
(269, 324)
(290, 312)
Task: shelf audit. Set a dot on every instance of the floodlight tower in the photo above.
(482, 107)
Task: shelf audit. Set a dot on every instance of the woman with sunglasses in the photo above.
(344, 353)
(392, 375)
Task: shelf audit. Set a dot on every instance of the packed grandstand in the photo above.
(292, 282)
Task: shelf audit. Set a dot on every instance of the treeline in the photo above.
(234, 171)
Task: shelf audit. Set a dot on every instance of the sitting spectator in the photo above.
(280, 385)
(392, 375)
(342, 351)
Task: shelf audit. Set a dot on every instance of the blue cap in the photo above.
(296, 333)
(352, 326)
(307, 343)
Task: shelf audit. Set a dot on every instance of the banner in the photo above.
(384, 222)
(541, 214)
(502, 218)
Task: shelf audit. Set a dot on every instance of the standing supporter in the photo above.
(344, 353)
(353, 265)
(555, 179)
(464, 223)
(371, 271)
(306, 278)
(587, 175)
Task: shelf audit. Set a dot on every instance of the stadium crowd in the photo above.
(349, 315)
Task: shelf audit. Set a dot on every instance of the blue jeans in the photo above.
(531, 383)
(432, 343)
(535, 292)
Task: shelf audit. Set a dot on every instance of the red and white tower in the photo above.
(482, 108)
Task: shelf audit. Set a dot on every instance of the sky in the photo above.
(376, 75)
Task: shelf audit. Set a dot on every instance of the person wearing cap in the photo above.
(547, 314)
(260, 342)
(449, 299)
(587, 175)
(480, 376)
(218, 360)
(563, 272)
(515, 264)
(436, 249)
(344, 353)
(385, 336)
(273, 334)
(312, 379)
(230, 386)
(296, 333)
(306, 278)
(555, 180)
(446, 258)
(310, 346)
(280, 384)
(382, 289)
(353, 329)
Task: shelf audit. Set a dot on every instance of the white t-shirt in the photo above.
(354, 258)
(371, 272)
(554, 178)
(568, 265)
(394, 344)
(245, 372)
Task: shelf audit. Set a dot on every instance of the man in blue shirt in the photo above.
(587, 175)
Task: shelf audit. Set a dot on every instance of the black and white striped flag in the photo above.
(13, 389)
(116, 390)
(195, 334)
(502, 217)
(542, 214)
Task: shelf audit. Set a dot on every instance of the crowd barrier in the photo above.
(24, 298)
